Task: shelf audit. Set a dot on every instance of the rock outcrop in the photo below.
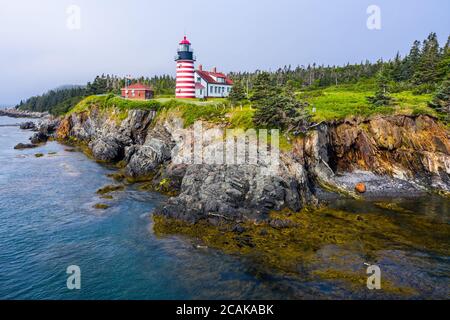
(39, 137)
(45, 129)
(235, 192)
(22, 146)
(15, 113)
(389, 155)
(29, 125)
(411, 149)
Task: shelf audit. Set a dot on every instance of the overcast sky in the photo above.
(39, 51)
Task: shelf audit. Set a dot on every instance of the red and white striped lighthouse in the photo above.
(185, 87)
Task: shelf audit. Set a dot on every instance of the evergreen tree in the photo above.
(441, 100)
(263, 88)
(411, 61)
(426, 71)
(382, 96)
(237, 93)
(443, 67)
(283, 112)
(397, 72)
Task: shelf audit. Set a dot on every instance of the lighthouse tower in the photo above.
(185, 88)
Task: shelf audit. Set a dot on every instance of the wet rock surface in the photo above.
(391, 156)
(39, 137)
(27, 125)
(22, 146)
(236, 192)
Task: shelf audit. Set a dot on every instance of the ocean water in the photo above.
(47, 223)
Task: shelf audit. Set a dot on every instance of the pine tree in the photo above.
(283, 112)
(397, 68)
(443, 67)
(382, 96)
(441, 100)
(237, 93)
(263, 88)
(426, 72)
(412, 61)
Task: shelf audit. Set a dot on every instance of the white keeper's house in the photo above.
(198, 83)
(211, 84)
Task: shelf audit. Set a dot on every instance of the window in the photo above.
(199, 79)
(133, 93)
(211, 89)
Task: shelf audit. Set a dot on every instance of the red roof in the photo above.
(185, 41)
(138, 86)
(208, 77)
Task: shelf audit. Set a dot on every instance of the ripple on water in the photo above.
(48, 223)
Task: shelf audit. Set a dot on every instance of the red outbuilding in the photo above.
(138, 91)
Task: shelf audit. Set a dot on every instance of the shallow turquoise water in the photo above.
(47, 223)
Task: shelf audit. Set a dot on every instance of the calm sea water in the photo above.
(47, 223)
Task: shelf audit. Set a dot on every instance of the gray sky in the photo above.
(39, 52)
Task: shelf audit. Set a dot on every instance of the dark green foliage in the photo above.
(66, 105)
(382, 96)
(282, 111)
(441, 100)
(411, 62)
(162, 85)
(263, 88)
(426, 64)
(237, 93)
(55, 101)
(312, 76)
(61, 100)
(426, 71)
(444, 65)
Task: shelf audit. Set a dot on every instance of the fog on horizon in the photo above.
(43, 46)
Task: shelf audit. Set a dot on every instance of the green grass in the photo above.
(332, 103)
(191, 110)
(241, 117)
(209, 112)
(189, 101)
(112, 101)
(339, 102)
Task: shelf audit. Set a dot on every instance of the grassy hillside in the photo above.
(338, 102)
(332, 103)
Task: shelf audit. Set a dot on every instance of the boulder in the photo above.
(48, 126)
(39, 137)
(22, 146)
(107, 149)
(147, 158)
(29, 125)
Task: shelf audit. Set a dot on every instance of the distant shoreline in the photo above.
(14, 113)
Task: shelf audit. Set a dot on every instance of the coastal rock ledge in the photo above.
(390, 155)
(15, 113)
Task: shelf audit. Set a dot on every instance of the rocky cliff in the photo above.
(388, 155)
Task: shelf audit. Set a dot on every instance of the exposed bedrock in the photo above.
(400, 153)
(389, 155)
